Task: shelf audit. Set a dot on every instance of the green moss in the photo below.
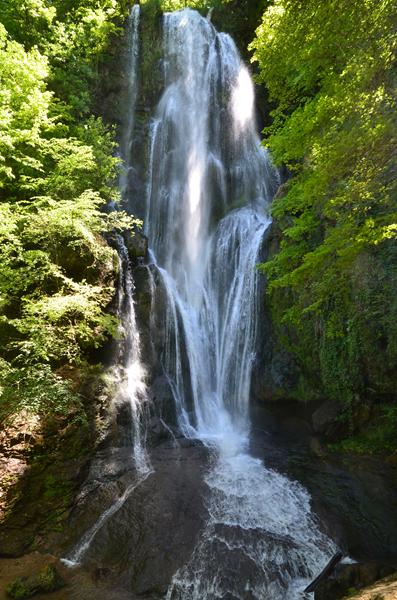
(47, 580)
(18, 589)
(379, 436)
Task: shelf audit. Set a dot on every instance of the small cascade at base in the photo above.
(130, 376)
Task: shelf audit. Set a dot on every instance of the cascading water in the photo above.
(207, 214)
(130, 374)
(132, 388)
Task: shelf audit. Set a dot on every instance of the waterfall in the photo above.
(208, 192)
(209, 188)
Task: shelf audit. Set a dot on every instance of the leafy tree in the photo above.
(57, 171)
(330, 69)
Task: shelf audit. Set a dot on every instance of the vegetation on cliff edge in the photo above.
(330, 69)
(57, 169)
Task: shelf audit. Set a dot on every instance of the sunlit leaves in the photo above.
(330, 70)
(57, 173)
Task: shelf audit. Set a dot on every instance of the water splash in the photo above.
(261, 540)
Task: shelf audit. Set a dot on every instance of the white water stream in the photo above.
(209, 188)
(130, 376)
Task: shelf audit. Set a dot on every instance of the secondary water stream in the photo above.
(130, 378)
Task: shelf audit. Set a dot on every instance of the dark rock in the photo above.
(163, 400)
(275, 374)
(46, 580)
(189, 443)
(43, 494)
(354, 496)
(317, 448)
(165, 513)
(324, 417)
(143, 306)
(348, 577)
(158, 431)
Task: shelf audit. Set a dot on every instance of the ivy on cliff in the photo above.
(330, 69)
(57, 170)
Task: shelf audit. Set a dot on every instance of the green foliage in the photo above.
(331, 73)
(379, 436)
(172, 5)
(36, 389)
(57, 171)
(73, 34)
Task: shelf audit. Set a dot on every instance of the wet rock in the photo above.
(189, 443)
(158, 431)
(149, 299)
(137, 245)
(163, 400)
(354, 496)
(349, 577)
(165, 513)
(41, 497)
(275, 374)
(317, 448)
(46, 580)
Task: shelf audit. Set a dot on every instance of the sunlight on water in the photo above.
(132, 376)
(242, 101)
(194, 191)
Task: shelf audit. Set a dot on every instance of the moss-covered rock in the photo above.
(46, 580)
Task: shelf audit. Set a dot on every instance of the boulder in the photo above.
(324, 417)
(349, 577)
(137, 245)
(46, 580)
